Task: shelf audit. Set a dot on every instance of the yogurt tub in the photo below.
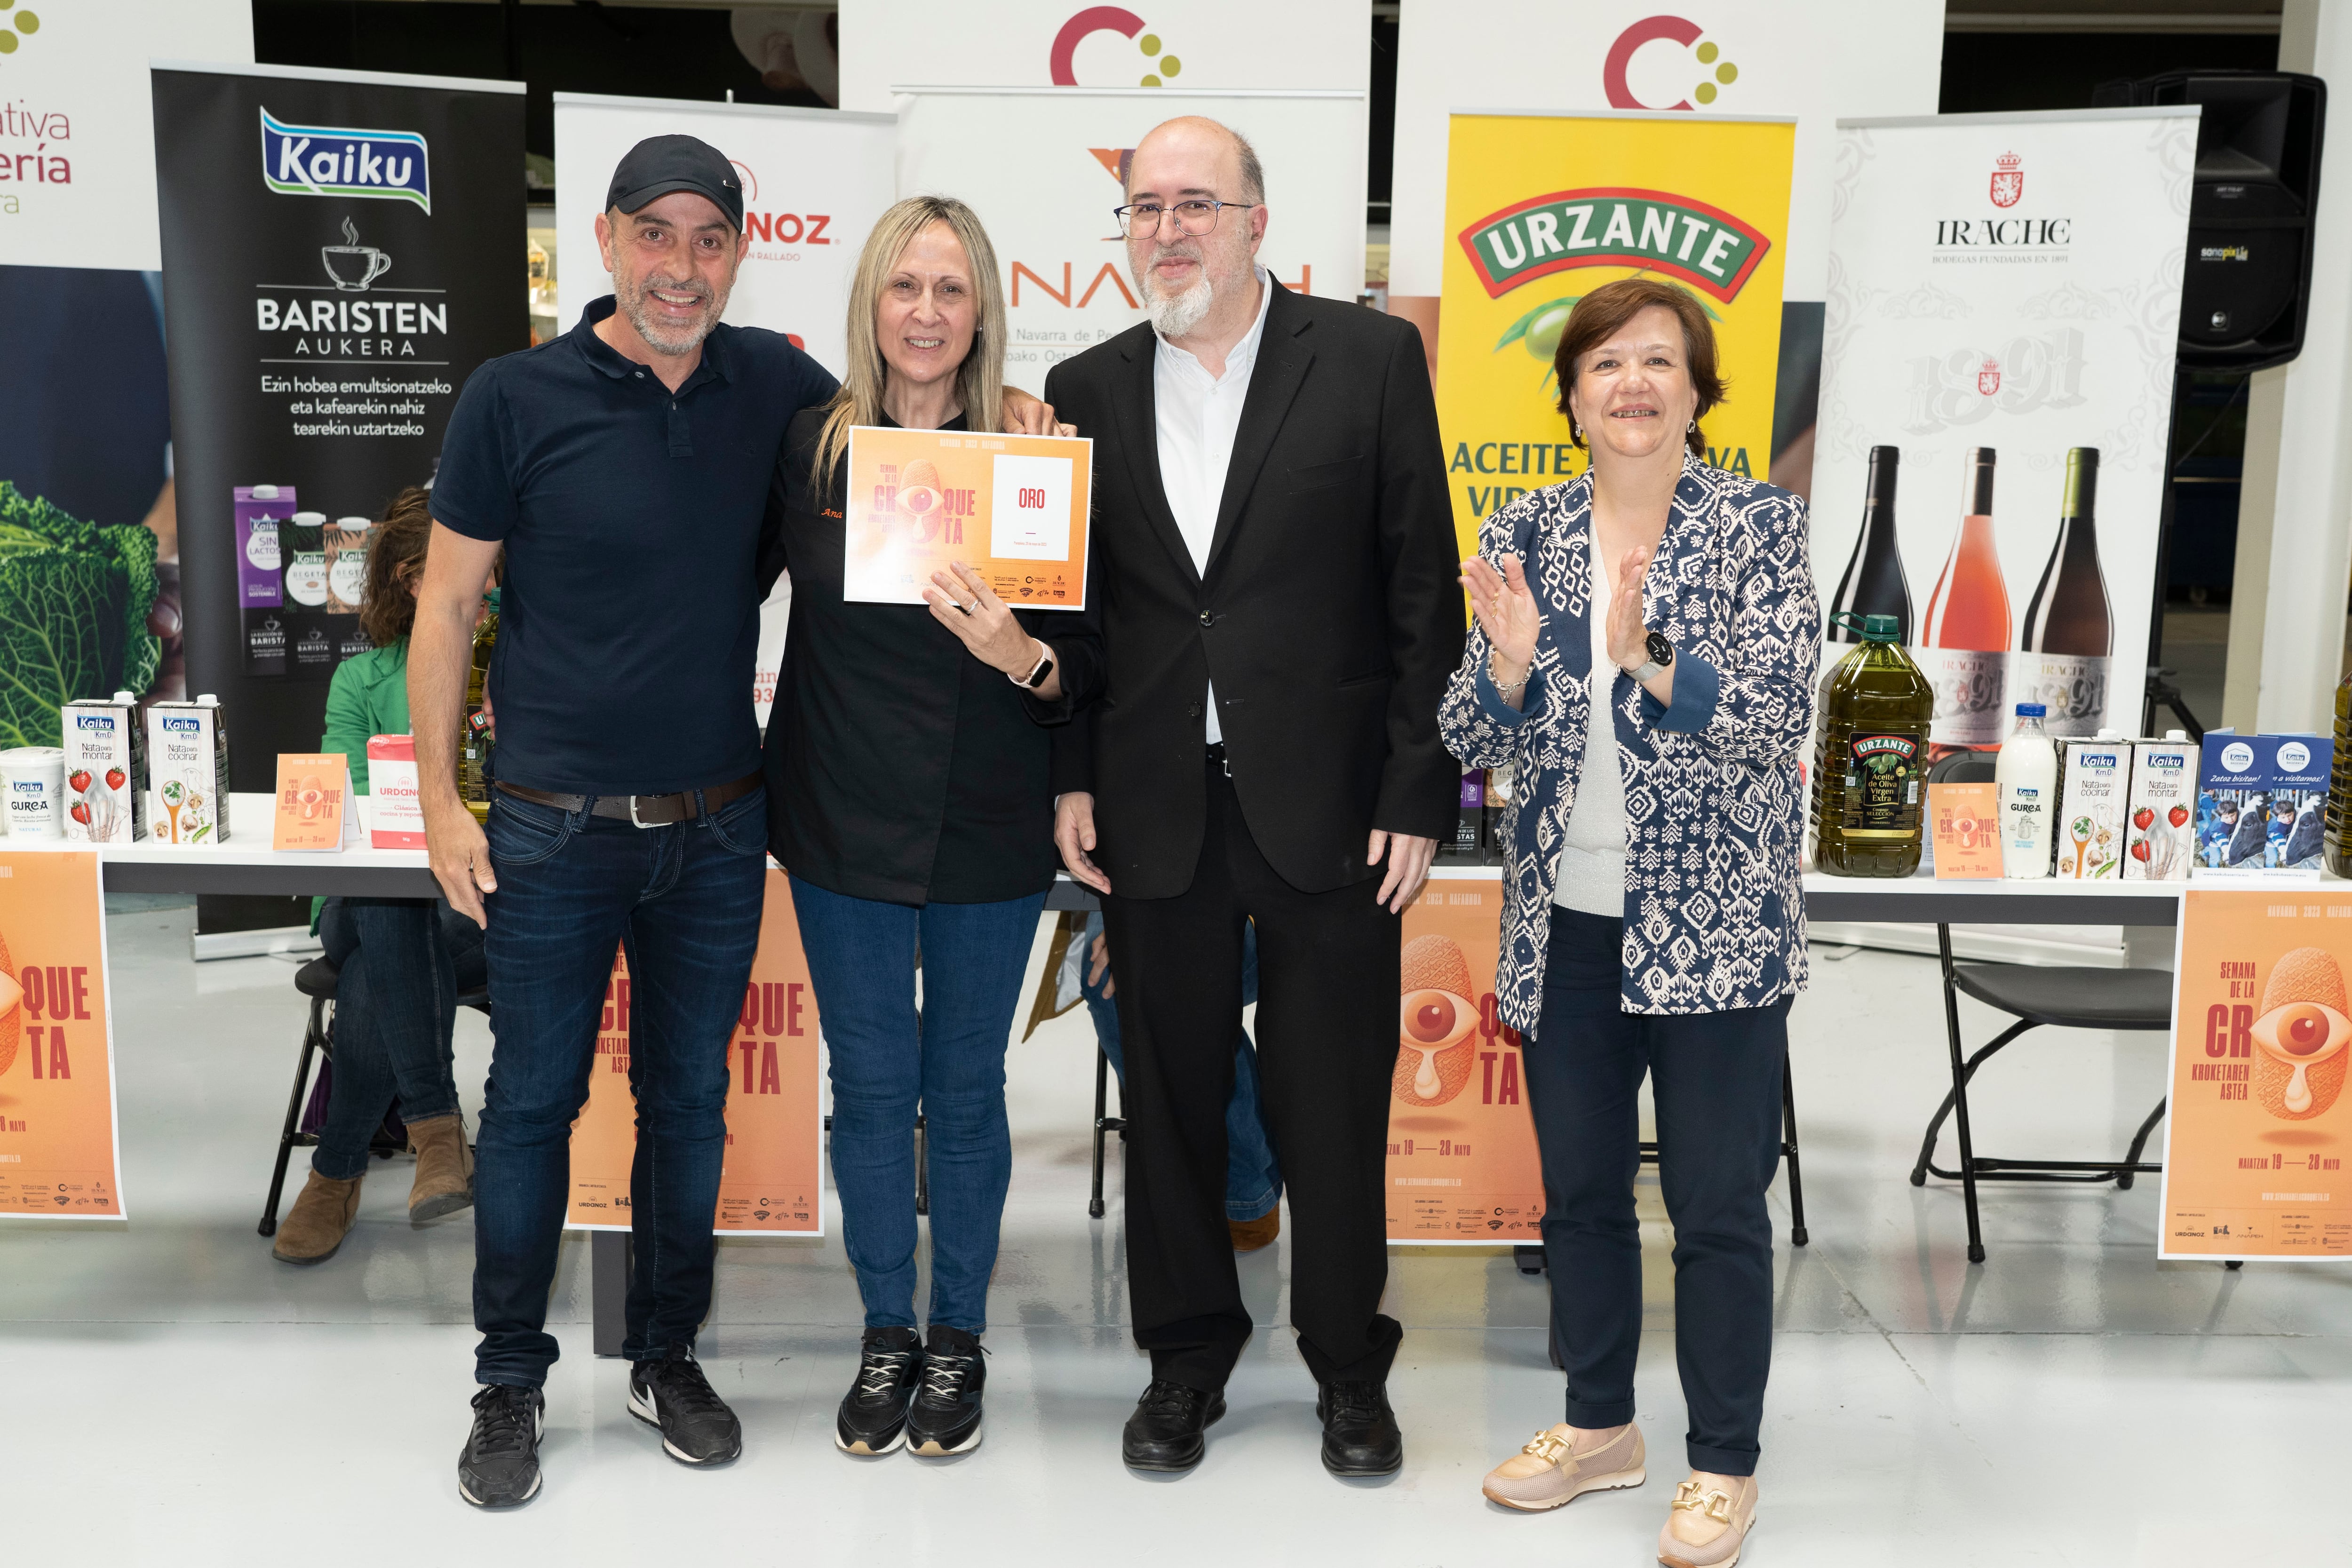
(33, 782)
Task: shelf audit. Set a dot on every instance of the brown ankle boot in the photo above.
(445, 1168)
(322, 1218)
(1250, 1235)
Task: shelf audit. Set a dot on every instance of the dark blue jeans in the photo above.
(402, 964)
(1715, 1081)
(685, 901)
(887, 1057)
(1252, 1176)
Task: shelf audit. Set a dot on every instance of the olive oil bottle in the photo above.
(476, 739)
(1870, 754)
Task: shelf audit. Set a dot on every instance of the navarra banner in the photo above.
(1180, 44)
(1049, 211)
(2258, 1124)
(1462, 1162)
(325, 298)
(1997, 400)
(774, 1167)
(1542, 209)
(58, 1154)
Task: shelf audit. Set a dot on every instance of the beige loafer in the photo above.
(1705, 1528)
(1548, 1473)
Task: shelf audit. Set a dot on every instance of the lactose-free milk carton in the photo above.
(106, 770)
(2092, 806)
(187, 761)
(2162, 841)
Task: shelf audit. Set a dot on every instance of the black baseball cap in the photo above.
(660, 164)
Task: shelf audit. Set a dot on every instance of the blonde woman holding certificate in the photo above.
(908, 796)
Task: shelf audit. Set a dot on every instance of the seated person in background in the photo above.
(1253, 1178)
(400, 963)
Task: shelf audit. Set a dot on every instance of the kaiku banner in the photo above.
(2004, 292)
(328, 286)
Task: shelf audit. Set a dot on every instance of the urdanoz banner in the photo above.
(335, 250)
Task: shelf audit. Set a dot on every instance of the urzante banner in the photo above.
(2004, 295)
(2257, 1125)
(1461, 1163)
(59, 1156)
(1048, 209)
(1542, 209)
(1188, 45)
(326, 295)
(775, 1141)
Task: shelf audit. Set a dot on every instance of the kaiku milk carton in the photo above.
(2094, 795)
(2260, 799)
(106, 770)
(2161, 841)
(187, 761)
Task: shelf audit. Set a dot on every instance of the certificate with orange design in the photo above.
(775, 1135)
(1461, 1163)
(1013, 508)
(57, 1146)
(2258, 1122)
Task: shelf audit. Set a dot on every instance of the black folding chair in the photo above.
(1105, 1125)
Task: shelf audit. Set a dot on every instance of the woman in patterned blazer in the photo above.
(1643, 659)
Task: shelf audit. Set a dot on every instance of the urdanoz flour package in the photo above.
(396, 814)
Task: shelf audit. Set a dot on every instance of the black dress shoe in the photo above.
(1166, 1431)
(1359, 1430)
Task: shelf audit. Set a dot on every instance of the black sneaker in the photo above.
(873, 1418)
(945, 1417)
(669, 1391)
(498, 1467)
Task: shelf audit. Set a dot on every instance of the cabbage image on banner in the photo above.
(74, 598)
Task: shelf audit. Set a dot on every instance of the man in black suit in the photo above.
(1272, 618)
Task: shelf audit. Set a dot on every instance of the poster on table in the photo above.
(2258, 1125)
(1179, 44)
(58, 1154)
(1049, 211)
(813, 182)
(2004, 296)
(1462, 1162)
(1540, 210)
(326, 295)
(92, 606)
(1011, 508)
(1809, 58)
(771, 1180)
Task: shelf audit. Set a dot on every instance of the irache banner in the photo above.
(770, 1182)
(58, 1148)
(1542, 209)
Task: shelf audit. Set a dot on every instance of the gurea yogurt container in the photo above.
(33, 782)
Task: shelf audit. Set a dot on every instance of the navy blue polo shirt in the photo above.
(631, 518)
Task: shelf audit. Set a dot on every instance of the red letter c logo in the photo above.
(1648, 30)
(1112, 18)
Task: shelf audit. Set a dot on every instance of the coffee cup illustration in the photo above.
(1437, 1023)
(2301, 1035)
(351, 265)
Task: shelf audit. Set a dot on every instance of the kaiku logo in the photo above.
(323, 161)
(1664, 29)
(1701, 245)
(2007, 181)
(183, 726)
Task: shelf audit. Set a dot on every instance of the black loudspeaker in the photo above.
(2248, 288)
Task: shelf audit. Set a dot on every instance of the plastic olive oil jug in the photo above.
(475, 741)
(1870, 750)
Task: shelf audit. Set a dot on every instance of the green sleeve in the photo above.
(348, 716)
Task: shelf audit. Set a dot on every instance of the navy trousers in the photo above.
(1716, 1079)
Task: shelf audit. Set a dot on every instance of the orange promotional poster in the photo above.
(774, 1134)
(57, 1147)
(1013, 508)
(314, 794)
(1965, 819)
(2258, 1127)
(1462, 1150)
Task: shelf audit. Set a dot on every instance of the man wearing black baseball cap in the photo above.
(624, 467)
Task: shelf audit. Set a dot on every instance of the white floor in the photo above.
(170, 1394)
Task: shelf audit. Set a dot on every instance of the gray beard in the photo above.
(1175, 315)
(658, 335)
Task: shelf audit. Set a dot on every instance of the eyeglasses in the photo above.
(1198, 215)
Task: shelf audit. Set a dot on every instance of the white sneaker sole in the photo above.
(930, 1449)
(863, 1452)
(1616, 1480)
(645, 1412)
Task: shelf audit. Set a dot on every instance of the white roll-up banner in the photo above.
(813, 182)
(1048, 210)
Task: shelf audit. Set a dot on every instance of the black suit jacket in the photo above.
(1328, 615)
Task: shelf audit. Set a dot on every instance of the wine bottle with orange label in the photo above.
(1963, 646)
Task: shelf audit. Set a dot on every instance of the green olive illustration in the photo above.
(1544, 329)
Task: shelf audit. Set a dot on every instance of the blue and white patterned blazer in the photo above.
(1715, 913)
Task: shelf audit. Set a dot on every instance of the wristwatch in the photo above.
(1036, 678)
(1662, 654)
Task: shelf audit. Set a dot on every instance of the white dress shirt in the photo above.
(1199, 415)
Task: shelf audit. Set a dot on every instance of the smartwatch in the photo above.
(1036, 678)
(1662, 654)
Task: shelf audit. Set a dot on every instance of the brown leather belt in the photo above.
(645, 810)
